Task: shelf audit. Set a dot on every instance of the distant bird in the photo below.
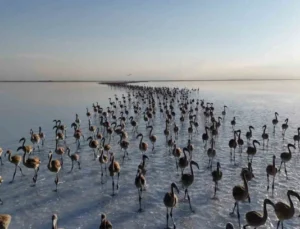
(271, 171)
(297, 137)
(224, 111)
(275, 121)
(285, 126)
(42, 136)
(74, 157)
(249, 133)
(233, 122)
(217, 176)
(264, 135)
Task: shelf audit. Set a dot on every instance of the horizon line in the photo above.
(138, 81)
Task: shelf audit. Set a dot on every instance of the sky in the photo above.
(155, 39)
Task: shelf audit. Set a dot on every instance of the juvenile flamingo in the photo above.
(256, 219)
(275, 121)
(16, 160)
(286, 157)
(240, 193)
(271, 171)
(143, 146)
(140, 183)
(170, 201)
(114, 168)
(285, 126)
(249, 133)
(152, 137)
(74, 158)
(284, 211)
(217, 176)
(54, 166)
(187, 180)
(297, 137)
(264, 135)
(251, 150)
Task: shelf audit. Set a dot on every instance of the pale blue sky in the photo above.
(152, 39)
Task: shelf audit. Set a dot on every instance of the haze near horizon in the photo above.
(108, 40)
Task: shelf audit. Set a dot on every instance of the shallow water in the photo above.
(82, 197)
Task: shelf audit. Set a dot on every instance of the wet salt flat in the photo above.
(82, 197)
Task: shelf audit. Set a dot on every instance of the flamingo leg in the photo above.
(280, 166)
(21, 170)
(118, 181)
(285, 170)
(72, 166)
(14, 174)
(238, 214)
(167, 217)
(140, 198)
(113, 185)
(171, 214)
(233, 208)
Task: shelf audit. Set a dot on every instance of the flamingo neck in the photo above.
(49, 162)
(291, 203)
(141, 139)
(184, 154)
(289, 150)
(9, 157)
(24, 157)
(54, 224)
(192, 171)
(265, 215)
(245, 184)
(254, 146)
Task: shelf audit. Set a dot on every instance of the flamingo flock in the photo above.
(136, 114)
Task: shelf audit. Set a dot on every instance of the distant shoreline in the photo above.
(138, 81)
